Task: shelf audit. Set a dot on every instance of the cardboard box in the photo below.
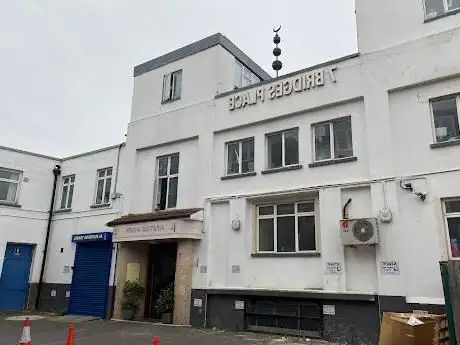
(396, 331)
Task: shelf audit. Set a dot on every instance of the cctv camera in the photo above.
(421, 195)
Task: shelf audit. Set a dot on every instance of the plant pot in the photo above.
(128, 314)
(167, 318)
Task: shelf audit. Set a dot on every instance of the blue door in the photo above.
(14, 279)
(90, 280)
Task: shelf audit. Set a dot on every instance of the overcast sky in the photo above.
(66, 66)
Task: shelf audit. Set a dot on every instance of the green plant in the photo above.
(132, 293)
(165, 300)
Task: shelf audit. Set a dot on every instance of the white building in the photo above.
(234, 184)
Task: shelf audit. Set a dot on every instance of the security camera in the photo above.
(421, 195)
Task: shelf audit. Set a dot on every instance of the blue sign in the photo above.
(97, 236)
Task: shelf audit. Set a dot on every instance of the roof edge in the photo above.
(6, 148)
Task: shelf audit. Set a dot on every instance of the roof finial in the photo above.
(277, 64)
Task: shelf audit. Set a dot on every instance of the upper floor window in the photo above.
(104, 184)
(283, 148)
(434, 8)
(445, 118)
(286, 228)
(172, 86)
(67, 191)
(333, 140)
(240, 156)
(452, 219)
(167, 179)
(243, 76)
(9, 183)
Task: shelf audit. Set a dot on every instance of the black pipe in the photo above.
(56, 173)
(344, 210)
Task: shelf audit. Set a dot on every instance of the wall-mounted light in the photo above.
(236, 224)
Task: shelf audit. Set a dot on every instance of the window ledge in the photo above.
(445, 143)
(448, 13)
(100, 206)
(9, 204)
(170, 100)
(230, 177)
(332, 161)
(286, 255)
(63, 210)
(288, 168)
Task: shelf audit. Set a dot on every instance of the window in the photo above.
(333, 140)
(283, 149)
(168, 171)
(445, 118)
(67, 191)
(286, 228)
(243, 76)
(240, 156)
(104, 183)
(434, 8)
(9, 182)
(172, 86)
(452, 218)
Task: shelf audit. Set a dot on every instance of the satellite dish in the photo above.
(363, 230)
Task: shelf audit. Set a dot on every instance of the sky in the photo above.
(66, 66)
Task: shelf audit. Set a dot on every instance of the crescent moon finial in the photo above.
(275, 29)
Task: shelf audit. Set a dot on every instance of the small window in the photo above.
(333, 140)
(240, 156)
(445, 118)
(167, 181)
(283, 149)
(172, 86)
(286, 228)
(67, 191)
(435, 8)
(452, 218)
(9, 185)
(243, 76)
(103, 186)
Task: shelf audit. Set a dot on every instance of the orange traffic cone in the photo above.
(156, 341)
(71, 335)
(25, 337)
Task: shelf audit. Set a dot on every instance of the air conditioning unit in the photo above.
(359, 231)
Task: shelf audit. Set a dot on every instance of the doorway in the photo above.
(162, 272)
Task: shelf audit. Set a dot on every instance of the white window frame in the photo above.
(18, 182)
(168, 93)
(445, 4)
(433, 125)
(168, 176)
(332, 138)
(70, 183)
(283, 148)
(244, 71)
(240, 156)
(296, 215)
(446, 216)
(106, 176)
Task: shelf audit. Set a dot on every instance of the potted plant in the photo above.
(133, 291)
(165, 304)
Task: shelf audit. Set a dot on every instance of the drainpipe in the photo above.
(56, 173)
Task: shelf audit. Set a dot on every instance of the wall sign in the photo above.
(239, 305)
(334, 268)
(329, 309)
(300, 83)
(197, 302)
(389, 268)
(98, 236)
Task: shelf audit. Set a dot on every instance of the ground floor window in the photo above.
(286, 227)
(452, 219)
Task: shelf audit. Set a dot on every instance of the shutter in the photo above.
(90, 281)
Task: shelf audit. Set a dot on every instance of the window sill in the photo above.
(231, 177)
(170, 101)
(9, 204)
(333, 161)
(445, 143)
(288, 168)
(63, 210)
(286, 255)
(100, 206)
(448, 13)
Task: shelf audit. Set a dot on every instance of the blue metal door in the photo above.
(90, 280)
(14, 279)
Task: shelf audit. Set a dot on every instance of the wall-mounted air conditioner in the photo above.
(359, 231)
